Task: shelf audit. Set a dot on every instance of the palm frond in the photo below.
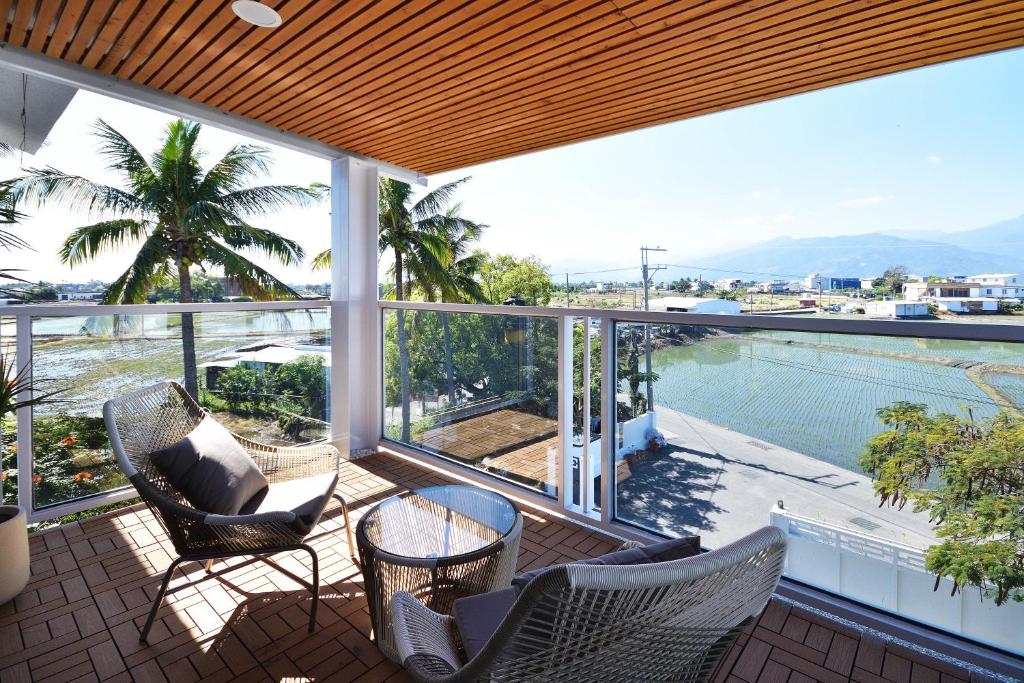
(49, 184)
(240, 164)
(122, 155)
(436, 201)
(89, 241)
(322, 261)
(244, 236)
(253, 281)
(150, 268)
(268, 198)
(176, 163)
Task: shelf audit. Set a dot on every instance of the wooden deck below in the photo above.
(92, 583)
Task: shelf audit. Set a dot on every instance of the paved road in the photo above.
(722, 484)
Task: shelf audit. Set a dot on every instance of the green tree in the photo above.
(419, 235)
(683, 284)
(969, 477)
(204, 288)
(42, 291)
(892, 280)
(504, 277)
(240, 385)
(304, 382)
(180, 215)
(9, 217)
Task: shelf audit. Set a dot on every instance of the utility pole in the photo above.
(567, 304)
(647, 272)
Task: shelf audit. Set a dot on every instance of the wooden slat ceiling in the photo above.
(435, 85)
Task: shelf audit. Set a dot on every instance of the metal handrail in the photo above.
(996, 332)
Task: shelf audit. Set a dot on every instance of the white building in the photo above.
(728, 283)
(693, 304)
(816, 282)
(1000, 285)
(966, 305)
(867, 282)
(80, 296)
(896, 309)
(924, 291)
(772, 287)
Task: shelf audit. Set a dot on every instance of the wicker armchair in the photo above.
(147, 420)
(668, 621)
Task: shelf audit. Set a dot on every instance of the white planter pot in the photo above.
(14, 558)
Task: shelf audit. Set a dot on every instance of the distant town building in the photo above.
(79, 296)
(953, 297)
(693, 304)
(772, 287)
(1000, 285)
(867, 282)
(728, 283)
(921, 291)
(962, 305)
(896, 309)
(825, 283)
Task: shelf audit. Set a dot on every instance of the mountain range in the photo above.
(993, 248)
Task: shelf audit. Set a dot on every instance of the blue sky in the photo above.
(936, 148)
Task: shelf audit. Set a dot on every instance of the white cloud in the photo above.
(865, 201)
(933, 159)
(758, 194)
(782, 218)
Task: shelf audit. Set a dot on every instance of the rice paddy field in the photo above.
(988, 352)
(822, 401)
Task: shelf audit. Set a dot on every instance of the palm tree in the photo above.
(181, 216)
(459, 284)
(418, 235)
(9, 216)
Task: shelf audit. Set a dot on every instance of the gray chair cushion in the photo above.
(477, 617)
(663, 551)
(306, 497)
(210, 469)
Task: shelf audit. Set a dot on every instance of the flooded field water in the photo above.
(817, 397)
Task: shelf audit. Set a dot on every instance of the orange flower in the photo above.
(78, 477)
(87, 475)
(68, 441)
(36, 478)
(3, 477)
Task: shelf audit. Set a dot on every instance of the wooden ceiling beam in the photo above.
(439, 84)
(686, 79)
(657, 116)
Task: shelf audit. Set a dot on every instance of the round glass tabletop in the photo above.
(439, 522)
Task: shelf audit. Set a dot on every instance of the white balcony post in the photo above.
(608, 401)
(23, 360)
(586, 484)
(564, 464)
(355, 330)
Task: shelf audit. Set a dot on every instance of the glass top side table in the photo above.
(438, 543)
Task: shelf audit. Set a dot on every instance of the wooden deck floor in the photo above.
(92, 583)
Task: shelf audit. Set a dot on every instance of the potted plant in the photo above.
(14, 555)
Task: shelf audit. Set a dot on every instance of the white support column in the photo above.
(608, 415)
(586, 483)
(355, 328)
(564, 465)
(23, 360)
